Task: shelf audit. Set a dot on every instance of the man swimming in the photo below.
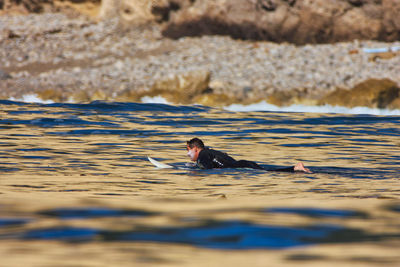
(206, 158)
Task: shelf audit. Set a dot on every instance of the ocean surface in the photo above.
(76, 188)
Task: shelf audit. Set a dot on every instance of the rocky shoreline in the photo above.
(72, 58)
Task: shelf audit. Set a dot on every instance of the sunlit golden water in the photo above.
(76, 188)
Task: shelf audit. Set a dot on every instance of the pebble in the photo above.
(97, 56)
(4, 75)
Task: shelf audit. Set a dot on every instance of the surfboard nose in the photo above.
(159, 164)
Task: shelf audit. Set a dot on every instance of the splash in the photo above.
(31, 98)
(264, 106)
(154, 100)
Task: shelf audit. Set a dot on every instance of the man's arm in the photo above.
(299, 167)
(287, 169)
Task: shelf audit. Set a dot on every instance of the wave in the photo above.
(264, 106)
(261, 106)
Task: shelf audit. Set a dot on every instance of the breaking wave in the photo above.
(261, 106)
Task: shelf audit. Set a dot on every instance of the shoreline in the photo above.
(261, 106)
(60, 58)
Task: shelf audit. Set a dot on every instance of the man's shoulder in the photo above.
(210, 151)
(205, 152)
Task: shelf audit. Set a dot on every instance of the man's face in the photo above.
(193, 153)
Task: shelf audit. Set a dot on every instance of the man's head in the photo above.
(194, 146)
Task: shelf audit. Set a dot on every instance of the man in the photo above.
(206, 158)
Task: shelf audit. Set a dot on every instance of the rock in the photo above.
(383, 55)
(357, 2)
(214, 100)
(133, 12)
(129, 95)
(50, 94)
(291, 97)
(367, 27)
(280, 98)
(4, 75)
(268, 5)
(81, 97)
(99, 95)
(299, 22)
(87, 96)
(183, 87)
(22, 6)
(395, 104)
(371, 93)
(391, 21)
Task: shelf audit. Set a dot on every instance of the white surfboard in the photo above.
(159, 164)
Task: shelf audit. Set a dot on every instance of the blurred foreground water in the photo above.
(77, 190)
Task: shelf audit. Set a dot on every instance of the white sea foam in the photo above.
(31, 98)
(264, 106)
(261, 106)
(154, 100)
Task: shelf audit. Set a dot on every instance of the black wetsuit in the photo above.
(210, 159)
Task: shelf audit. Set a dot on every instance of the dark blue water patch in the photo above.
(7, 144)
(53, 122)
(111, 144)
(33, 149)
(301, 182)
(13, 222)
(352, 120)
(222, 235)
(8, 127)
(93, 212)
(153, 181)
(241, 235)
(394, 207)
(136, 133)
(271, 121)
(318, 212)
(287, 131)
(388, 131)
(218, 185)
(235, 235)
(308, 145)
(368, 131)
(214, 133)
(28, 186)
(35, 157)
(275, 130)
(356, 173)
(166, 141)
(366, 140)
(8, 169)
(20, 112)
(179, 121)
(70, 234)
(118, 107)
(319, 190)
(23, 135)
(11, 103)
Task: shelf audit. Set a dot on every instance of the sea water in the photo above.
(76, 188)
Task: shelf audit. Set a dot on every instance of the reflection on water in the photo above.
(78, 175)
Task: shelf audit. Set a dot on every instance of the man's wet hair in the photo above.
(195, 142)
